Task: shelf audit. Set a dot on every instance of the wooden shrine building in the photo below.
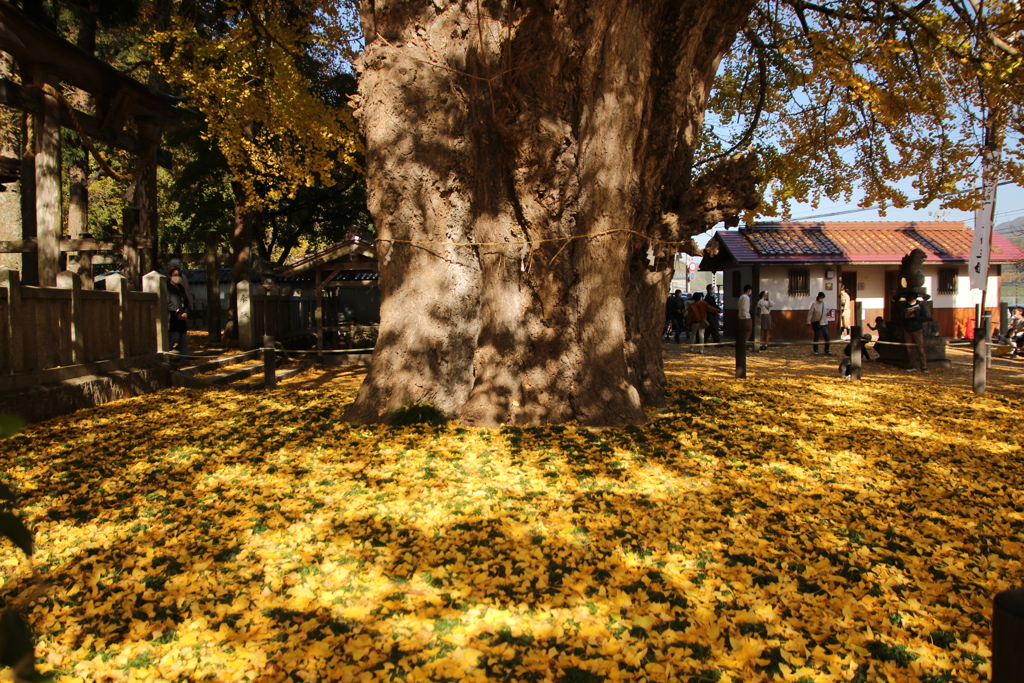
(349, 266)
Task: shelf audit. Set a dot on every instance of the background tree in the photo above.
(841, 95)
(278, 70)
(534, 166)
(251, 69)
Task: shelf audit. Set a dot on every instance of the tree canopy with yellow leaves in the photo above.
(252, 69)
(838, 95)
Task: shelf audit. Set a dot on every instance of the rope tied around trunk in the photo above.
(526, 246)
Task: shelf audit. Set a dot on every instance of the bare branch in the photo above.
(721, 193)
(762, 97)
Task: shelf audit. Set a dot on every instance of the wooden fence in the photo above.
(262, 312)
(51, 327)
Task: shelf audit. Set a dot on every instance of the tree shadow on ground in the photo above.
(262, 530)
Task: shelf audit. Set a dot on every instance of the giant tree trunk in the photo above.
(530, 177)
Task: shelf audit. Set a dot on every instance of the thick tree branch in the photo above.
(722, 193)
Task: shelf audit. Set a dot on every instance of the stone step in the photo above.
(221, 362)
(256, 384)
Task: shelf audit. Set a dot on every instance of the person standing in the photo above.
(697, 317)
(764, 309)
(914, 317)
(713, 318)
(674, 308)
(175, 263)
(678, 304)
(177, 309)
(1015, 332)
(746, 323)
(817, 318)
(845, 313)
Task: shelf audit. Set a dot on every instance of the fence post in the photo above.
(85, 265)
(1004, 318)
(47, 145)
(986, 321)
(11, 279)
(265, 327)
(243, 304)
(741, 354)
(120, 285)
(756, 319)
(269, 363)
(129, 246)
(319, 317)
(1008, 636)
(856, 342)
(70, 280)
(212, 286)
(981, 345)
(156, 283)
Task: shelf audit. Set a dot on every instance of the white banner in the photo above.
(981, 250)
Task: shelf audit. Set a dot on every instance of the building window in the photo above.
(737, 288)
(947, 280)
(800, 282)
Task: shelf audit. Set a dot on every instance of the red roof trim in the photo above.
(882, 242)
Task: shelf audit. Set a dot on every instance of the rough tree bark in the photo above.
(241, 238)
(530, 175)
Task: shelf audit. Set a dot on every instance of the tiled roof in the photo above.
(354, 249)
(876, 242)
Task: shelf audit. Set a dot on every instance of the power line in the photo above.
(878, 208)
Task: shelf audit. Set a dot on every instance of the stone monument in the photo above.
(912, 280)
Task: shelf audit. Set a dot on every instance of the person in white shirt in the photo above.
(845, 313)
(745, 321)
(1016, 331)
(817, 318)
(764, 308)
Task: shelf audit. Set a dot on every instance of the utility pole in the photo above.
(983, 217)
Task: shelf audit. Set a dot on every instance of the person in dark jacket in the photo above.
(713, 318)
(914, 317)
(177, 309)
(676, 310)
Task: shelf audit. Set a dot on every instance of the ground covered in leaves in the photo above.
(789, 527)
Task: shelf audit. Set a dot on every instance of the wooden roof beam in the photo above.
(117, 112)
(19, 97)
(32, 44)
(31, 245)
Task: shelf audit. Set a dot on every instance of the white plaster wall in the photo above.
(964, 296)
(746, 278)
(961, 299)
(775, 279)
(873, 279)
